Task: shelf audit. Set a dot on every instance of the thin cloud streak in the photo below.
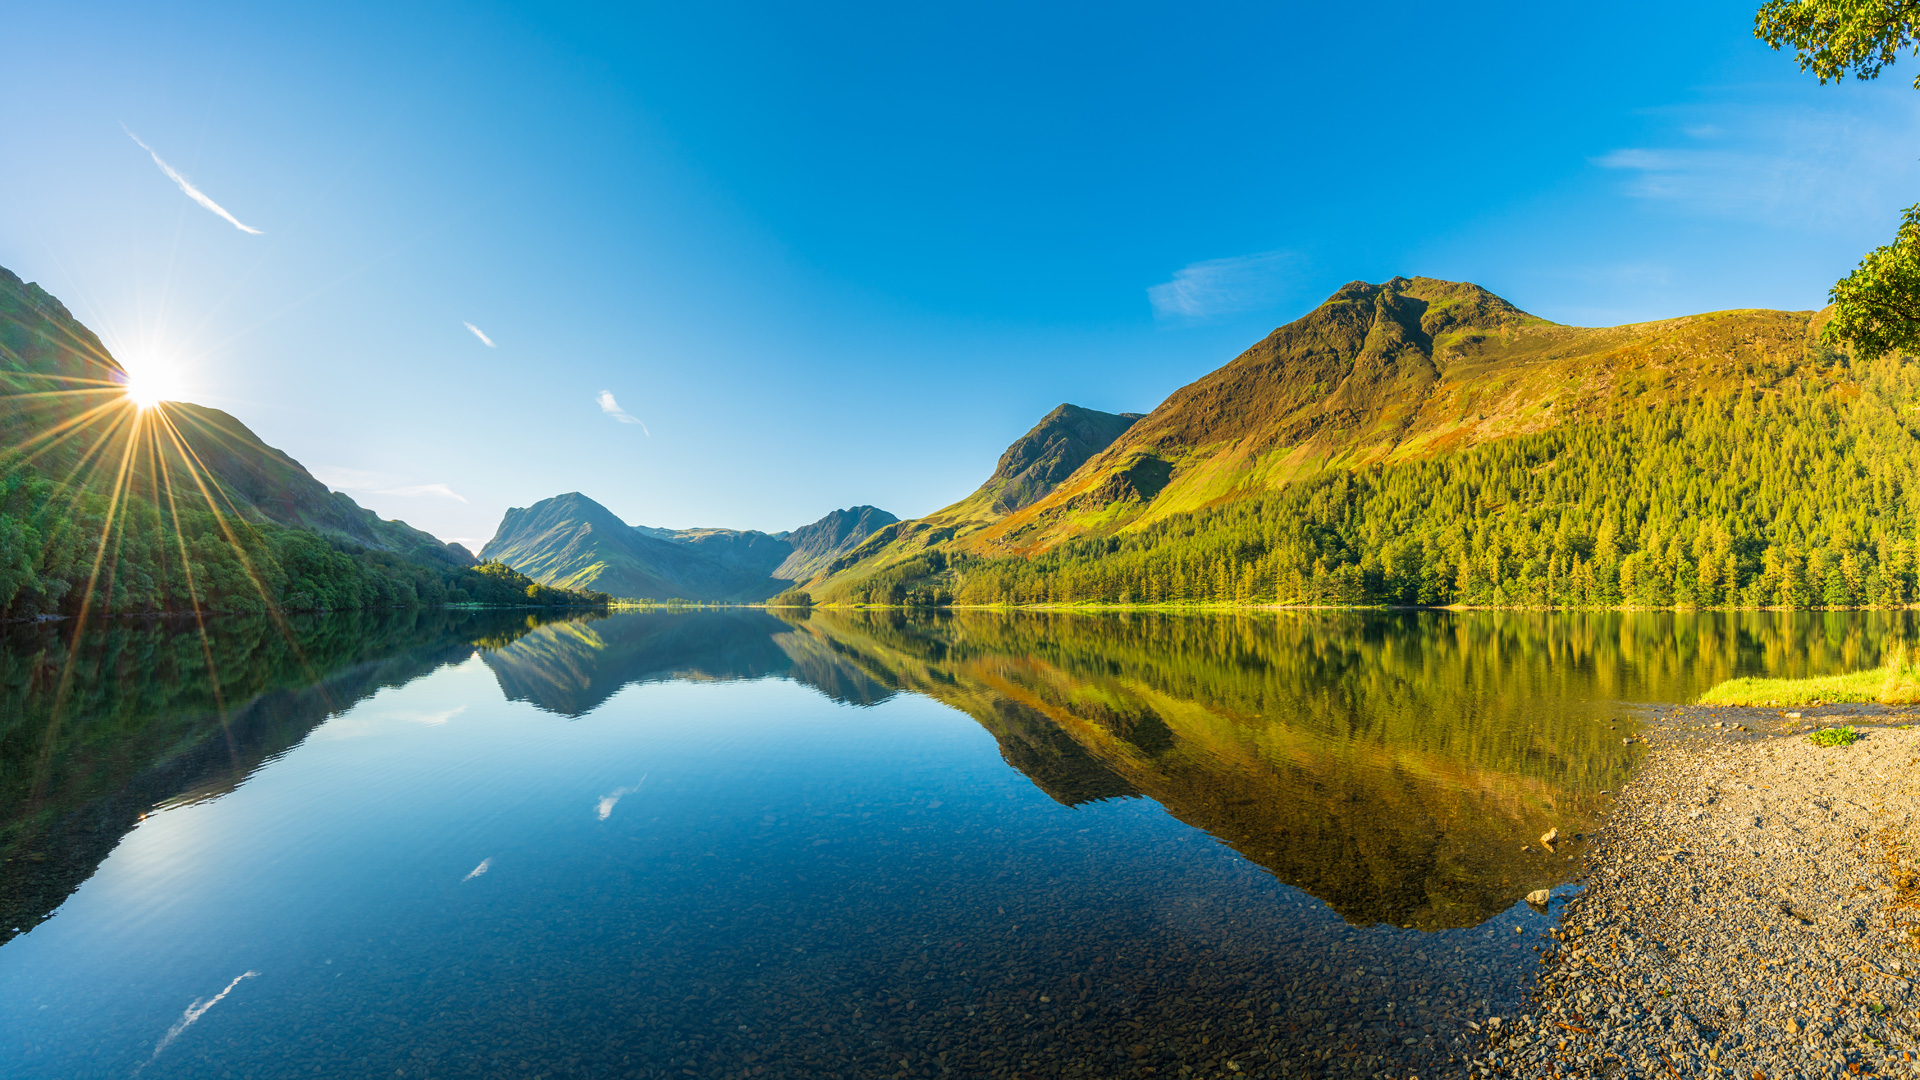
(477, 332)
(186, 185)
(612, 408)
(1225, 286)
(1811, 169)
(194, 1012)
(441, 490)
(380, 484)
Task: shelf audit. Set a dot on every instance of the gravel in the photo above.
(1751, 911)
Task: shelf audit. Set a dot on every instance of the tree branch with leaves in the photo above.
(1877, 307)
(1836, 38)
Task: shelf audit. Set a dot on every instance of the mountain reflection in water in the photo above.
(141, 714)
(1395, 767)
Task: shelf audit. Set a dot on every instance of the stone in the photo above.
(1539, 897)
(1550, 837)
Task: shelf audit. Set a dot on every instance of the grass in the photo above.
(1897, 682)
(1837, 736)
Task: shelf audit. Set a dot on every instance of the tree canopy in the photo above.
(1836, 38)
(1878, 305)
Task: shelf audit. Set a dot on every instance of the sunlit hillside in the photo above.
(115, 501)
(1425, 442)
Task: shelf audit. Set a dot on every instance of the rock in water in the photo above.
(1539, 897)
(1550, 837)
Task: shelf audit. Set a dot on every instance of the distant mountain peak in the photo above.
(1060, 443)
(571, 541)
(816, 546)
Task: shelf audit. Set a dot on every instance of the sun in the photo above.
(148, 384)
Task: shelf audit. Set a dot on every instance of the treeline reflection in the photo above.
(1397, 766)
(140, 713)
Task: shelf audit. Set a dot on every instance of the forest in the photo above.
(1805, 494)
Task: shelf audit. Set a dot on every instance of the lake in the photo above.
(741, 844)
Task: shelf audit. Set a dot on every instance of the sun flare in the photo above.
(148, 385)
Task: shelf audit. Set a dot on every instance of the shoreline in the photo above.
(1750, 909)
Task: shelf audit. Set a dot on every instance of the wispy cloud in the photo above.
(1801, 167)
(439, 490)
(477, 332)
(1225, 286)
(612, 408)
(186, 185)
(373, 483)
(194, 1012)
(485, 865)
(605, 807)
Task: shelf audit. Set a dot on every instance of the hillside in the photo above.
(1029, 470)
(105, 506)
(1422, 441)
(60, 403)
(816, 546)
(570, 541)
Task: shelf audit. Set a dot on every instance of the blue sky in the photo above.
(828, 255)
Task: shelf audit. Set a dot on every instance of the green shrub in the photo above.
(1839, 736)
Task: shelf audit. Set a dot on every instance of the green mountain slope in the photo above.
(1027, 472)
(55, 372)
(1422, 441)
(570, 541)
(1038, 461)
(108, 507)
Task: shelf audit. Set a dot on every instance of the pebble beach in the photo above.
(1751, 910)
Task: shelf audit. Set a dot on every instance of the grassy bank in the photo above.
(1897, 682)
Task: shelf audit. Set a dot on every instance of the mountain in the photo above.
(1027, 472)
(107, 506)
(1425, 441)
(570, 541)
(1035, 464)
(816, 546)
(54, 372)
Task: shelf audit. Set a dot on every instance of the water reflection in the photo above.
(145, 714)
(572, 668)
(585, 879)
(1396, 766)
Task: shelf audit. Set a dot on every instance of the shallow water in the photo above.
(729, 844)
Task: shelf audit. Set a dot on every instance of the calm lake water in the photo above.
(730, 844)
